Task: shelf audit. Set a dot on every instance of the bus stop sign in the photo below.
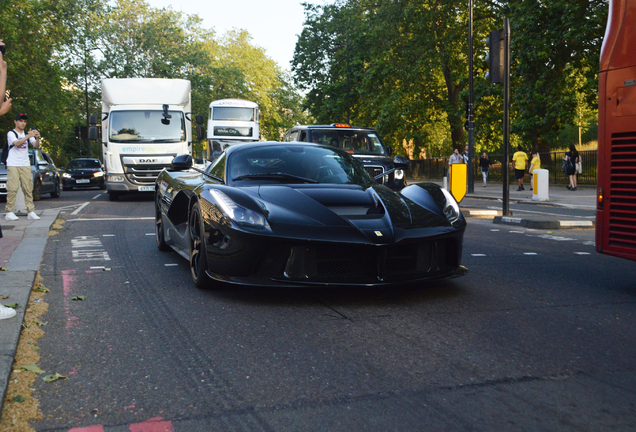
(457, 181)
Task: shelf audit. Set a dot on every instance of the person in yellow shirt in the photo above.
(535, 164)
(520, 160)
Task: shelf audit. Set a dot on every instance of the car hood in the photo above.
(347, 212)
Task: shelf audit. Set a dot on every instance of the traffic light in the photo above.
(495, 57)
(469, 124)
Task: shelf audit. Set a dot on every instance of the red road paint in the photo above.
(155, 424)
(95, 428)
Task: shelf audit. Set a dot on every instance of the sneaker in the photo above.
(6, 313)
(33, 216)
(519, 190)
(573, 189)
(11, 216)
(568, 186)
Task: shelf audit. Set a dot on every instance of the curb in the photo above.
(543, 224)
(22, 266)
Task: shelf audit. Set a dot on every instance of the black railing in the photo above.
(435, 169)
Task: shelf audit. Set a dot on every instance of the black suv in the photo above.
(363, 143)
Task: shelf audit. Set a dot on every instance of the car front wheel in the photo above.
(56, 192)
(198, 255)
(159, 233)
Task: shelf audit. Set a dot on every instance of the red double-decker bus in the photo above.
(616, 188)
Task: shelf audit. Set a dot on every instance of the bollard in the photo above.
(540, 183)
(445, 185)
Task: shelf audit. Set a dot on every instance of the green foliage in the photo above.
(402, 66)
(56, 63)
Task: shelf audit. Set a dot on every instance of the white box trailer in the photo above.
(146, 122)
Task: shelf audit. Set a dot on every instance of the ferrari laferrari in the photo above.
(300, 214)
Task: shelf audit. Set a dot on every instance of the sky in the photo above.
(274, 25)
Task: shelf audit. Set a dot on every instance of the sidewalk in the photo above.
(559, 196)
(21, 251)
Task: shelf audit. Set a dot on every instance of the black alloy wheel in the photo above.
(198, 256)
(56, 191)
(37, 190)
(159, 233)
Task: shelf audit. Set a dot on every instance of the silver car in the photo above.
(46, 178)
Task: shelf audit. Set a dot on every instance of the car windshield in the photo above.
(146, 126)
(351, 141)
(84, 164)
(295, 164)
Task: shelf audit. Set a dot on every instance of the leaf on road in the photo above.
(40, 287)
(18, 398)
(13, 305)
(56, 376)
(32, 368)
(4, 269)
(78, 298)
(3, 297)
(40, 324)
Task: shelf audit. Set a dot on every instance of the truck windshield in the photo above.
(146, 126)
(233, 113)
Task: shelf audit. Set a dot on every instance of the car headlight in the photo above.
(239, 214)
(451, 208)
(66, 175)
(98, 174)
(399, 174)
(115, 178)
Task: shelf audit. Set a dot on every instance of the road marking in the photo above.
(150, 234)
(581, 253)
(96, 253)
(494, 230)
(478, 255)
(97, 196)
(529, 253)
(110, 219)
(548, 213)
(518, 232)
(553, 237)
(97, 267)
(80, 208)
(108, 235)
(171, 265)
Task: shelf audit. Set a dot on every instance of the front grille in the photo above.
(143, 174)
(366, 263)
(377, 170)
(622, 193)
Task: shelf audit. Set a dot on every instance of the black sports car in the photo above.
(299, 214)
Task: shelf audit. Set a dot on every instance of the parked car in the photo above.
(301, 214)
(363, 143)
(84, 173)
(46, 178)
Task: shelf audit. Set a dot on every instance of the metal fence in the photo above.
(436, 169)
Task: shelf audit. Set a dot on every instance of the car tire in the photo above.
(113, 196)
(159, 232)
(198, 256)
(56, 192)
(103, 186)
(37, 190)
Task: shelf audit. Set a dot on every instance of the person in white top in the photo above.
(19, 166)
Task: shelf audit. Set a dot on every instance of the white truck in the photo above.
(146, 122)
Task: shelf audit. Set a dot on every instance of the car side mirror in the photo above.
(401, 162)
(181, 163)
(389, 150)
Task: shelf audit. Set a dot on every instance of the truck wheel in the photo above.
(37, 190)
(113, 196)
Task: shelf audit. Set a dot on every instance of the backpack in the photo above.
(567, 165)
(7, 147)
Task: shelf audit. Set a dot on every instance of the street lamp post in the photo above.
(471, 123)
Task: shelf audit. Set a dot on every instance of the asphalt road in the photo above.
(538, 336)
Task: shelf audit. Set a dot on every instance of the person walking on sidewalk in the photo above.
(520, 159)
(573, 157)
(19, 166)
(484, 165)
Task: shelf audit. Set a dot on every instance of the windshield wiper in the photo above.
(273, 176)
(166, 140)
